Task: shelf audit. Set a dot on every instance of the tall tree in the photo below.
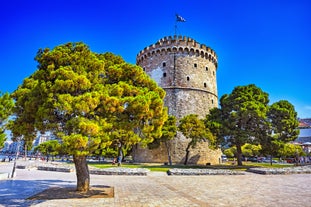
(85, 99)
(194, 129)
(169, 131)
(246, 117)
(51, 147)
(283, 122)
(6, 107)
(242, 117)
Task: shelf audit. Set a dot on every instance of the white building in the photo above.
(304, 138)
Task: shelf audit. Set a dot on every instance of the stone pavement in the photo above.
(158, 189)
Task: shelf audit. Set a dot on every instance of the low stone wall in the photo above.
(178, 171)
(57, 169)
(285, 170)
(120, 171)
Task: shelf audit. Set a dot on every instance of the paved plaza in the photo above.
(158, 189)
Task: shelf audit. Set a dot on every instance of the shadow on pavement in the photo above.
(15, 192)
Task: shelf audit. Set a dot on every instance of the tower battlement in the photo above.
(180, 44)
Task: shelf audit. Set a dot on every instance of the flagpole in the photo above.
(178, 19)
(175, 26)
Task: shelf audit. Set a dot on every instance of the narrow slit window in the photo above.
(164, 64)
(195, 65)
(188, 78)
(204, 85)
(164, 75)
(206, 68)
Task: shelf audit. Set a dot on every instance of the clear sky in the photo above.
(264, 42)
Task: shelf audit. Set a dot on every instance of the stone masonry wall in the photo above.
(200, 155)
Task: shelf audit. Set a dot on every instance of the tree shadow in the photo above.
(16, 192)
(192, 160)
(98, 191)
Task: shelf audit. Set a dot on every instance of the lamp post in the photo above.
(16, 156)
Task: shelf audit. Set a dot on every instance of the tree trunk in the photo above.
(25, 150)
(120, 154)
(239, 154)
(187, 154)
(82, 172)
(168, 153)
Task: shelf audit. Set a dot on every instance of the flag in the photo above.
(179, 18)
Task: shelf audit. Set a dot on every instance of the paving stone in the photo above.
(250, 189)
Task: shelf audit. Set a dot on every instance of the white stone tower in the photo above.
(186, 70)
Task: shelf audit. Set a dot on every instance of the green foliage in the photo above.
(248, 150)
(86, 99)
(6, 107)
(51, 147)
(251, 150)
(230, 152)
(194, 129)
(169, 131)
(290, 150)
(244, 113)
(213, 122)
(90, 101)
(241, 118)
(283, 124)
(284, 121)
(246, 117)
(2, 139)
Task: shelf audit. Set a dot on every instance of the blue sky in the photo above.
(264, 42)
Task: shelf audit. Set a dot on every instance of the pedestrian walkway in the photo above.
(158, 189)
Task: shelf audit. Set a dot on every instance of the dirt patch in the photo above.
(72, 193)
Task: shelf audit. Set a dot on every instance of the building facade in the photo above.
(304, 137)
(186, 70)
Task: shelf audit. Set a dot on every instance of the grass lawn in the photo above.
(151, 167)
(165, 168)
(268, 165)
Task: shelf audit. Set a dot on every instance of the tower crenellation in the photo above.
(182, 44)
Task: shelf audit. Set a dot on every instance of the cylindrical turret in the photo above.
(187, 72)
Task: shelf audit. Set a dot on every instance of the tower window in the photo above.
(164, 75)
(164, 64)
(144, 69)
(195, 65)
(206, 68)
(213, 72)
(204, 85)
(212, 101)
(188, 78)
